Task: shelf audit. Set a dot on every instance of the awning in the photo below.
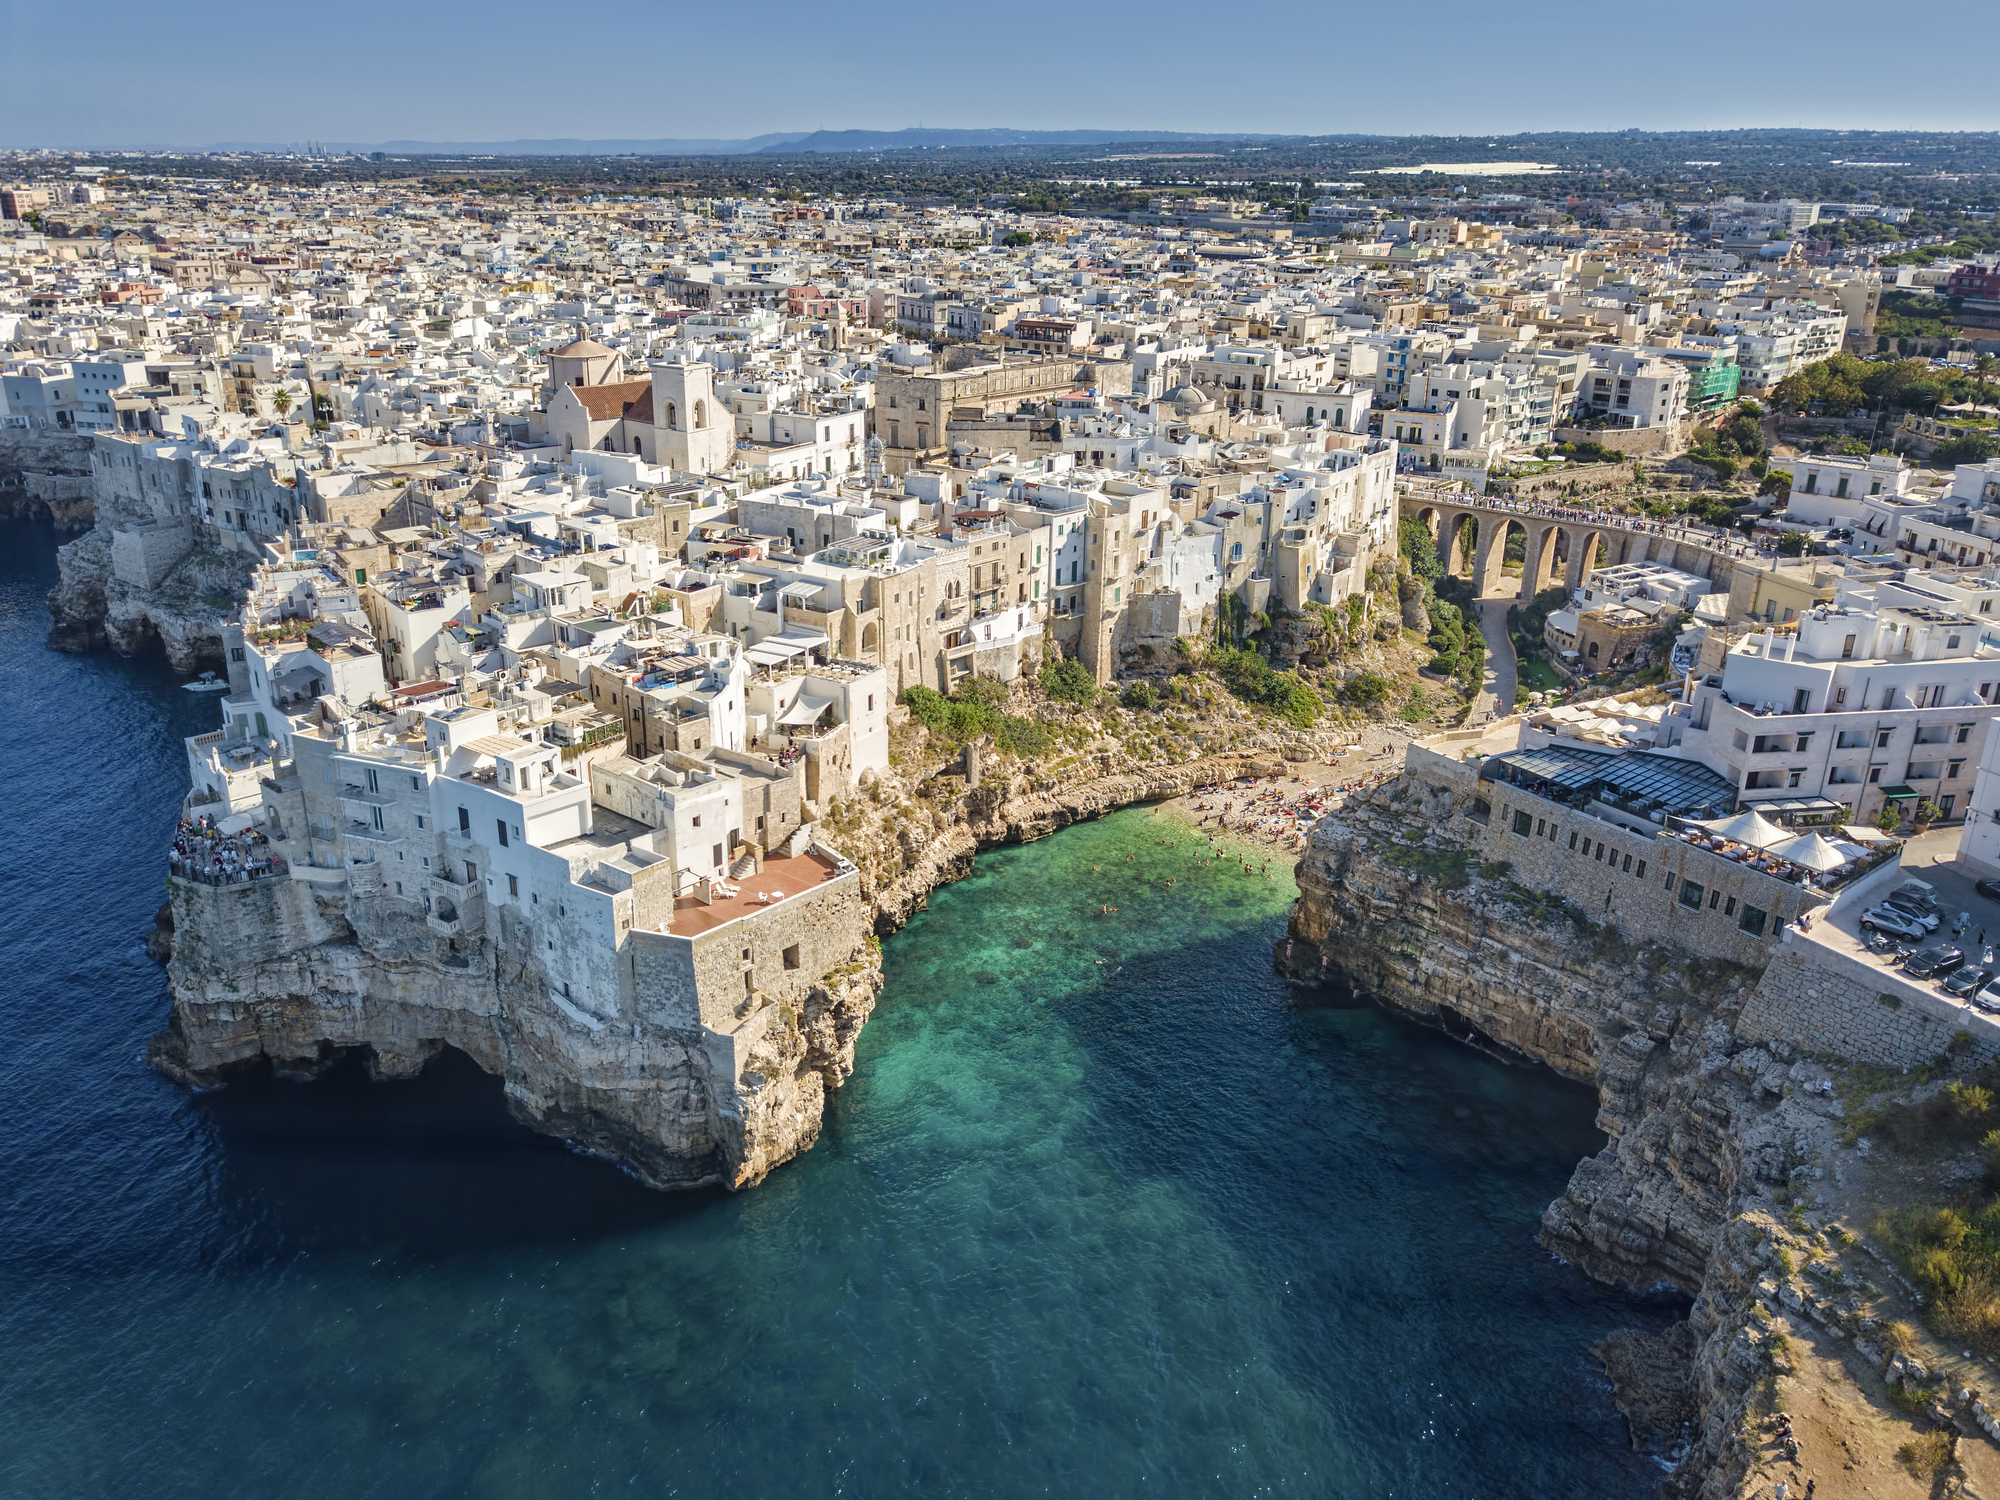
(806, 710)
(768, 653)
(1898, 793)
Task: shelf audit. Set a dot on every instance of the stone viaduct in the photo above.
(1561, 542)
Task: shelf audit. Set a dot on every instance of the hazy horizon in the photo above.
(455, 74)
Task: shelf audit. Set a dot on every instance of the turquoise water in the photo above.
(1103, 1213)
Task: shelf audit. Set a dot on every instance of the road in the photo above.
(1496, 694)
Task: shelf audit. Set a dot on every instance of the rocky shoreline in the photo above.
(277, 974)
(1708, 1130)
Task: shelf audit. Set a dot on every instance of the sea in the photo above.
(1107, 1210)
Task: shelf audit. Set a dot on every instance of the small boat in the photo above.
(208, 682)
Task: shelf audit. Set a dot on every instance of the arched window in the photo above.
(870, 639)
(673, 416)
(1339, 417)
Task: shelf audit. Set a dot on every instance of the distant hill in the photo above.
(908, 140)
(663, 147)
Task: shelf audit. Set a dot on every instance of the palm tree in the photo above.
(282, 401)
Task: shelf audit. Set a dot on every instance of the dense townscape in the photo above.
(622, 603)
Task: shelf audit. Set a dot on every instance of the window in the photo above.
(1540, 826)
(1640, 873)
(1691, 894)
(1751, 920)
(420, 820)
(1882, 738)
(1730, 909)
(501, 825)
(1628, 864)
(471, 873)
(1572, 839)
(373, 784)
(1523, 821)
(464, 821)
(715, 856)
(1600, 852)
(1713, 898)
(513, 885)
(792, 956)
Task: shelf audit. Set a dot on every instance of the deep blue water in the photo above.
(1077, 1228)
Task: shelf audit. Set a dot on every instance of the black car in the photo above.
(1965, 980)
(1934, 962)
(1990, 889)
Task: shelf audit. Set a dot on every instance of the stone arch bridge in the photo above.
(1560, 543)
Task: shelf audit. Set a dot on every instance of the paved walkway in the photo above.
(1496, 694)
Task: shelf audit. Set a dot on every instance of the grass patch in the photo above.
(1928, 1454)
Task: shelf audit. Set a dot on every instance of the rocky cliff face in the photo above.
(278, 973)
(93, 609)
(45, 477)
(1705, 1128)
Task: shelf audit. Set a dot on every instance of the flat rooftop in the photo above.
(779, 880)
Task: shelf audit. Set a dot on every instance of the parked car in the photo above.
(1934, 962)
(1990, 889)
(1895, 923)
(1915, 912)
(1988, 998)
(1966, 981)
(1920, 893)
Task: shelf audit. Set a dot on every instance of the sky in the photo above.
(364, 71)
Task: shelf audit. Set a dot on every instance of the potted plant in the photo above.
(1926, 814)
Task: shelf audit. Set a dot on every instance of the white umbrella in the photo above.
(1748, 827)
(1811, 851)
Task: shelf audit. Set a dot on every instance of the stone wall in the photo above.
(1667, 439)
(1831, 1005)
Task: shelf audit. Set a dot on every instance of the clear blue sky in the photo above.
(115, 72)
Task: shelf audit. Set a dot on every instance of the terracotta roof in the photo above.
(623, 398)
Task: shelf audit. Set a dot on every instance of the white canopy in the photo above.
(1811, 851)
(806, 710)
(1748, 827)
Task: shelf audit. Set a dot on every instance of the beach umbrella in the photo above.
(1811, 851)
(1748, 827)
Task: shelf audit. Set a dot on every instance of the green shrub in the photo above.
(1367, 690)
(1250, 678)
(1139, 695)
(1928, 1453)
(1067, 680)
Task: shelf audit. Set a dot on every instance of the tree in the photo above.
(1971, 449)
(282, 402)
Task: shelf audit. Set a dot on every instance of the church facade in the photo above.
(670, 418)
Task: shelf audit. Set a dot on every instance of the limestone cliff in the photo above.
(45, 476)
(93, 608)
(302, 973)
(1704, 1125)
(284, 972)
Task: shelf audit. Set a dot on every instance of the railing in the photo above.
(193, 868)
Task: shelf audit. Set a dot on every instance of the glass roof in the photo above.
(1673, 785)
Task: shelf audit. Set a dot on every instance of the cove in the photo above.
(1102, 1212)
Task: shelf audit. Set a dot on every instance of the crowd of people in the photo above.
(1705, 535)
(201, 851)
(1276, 815)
